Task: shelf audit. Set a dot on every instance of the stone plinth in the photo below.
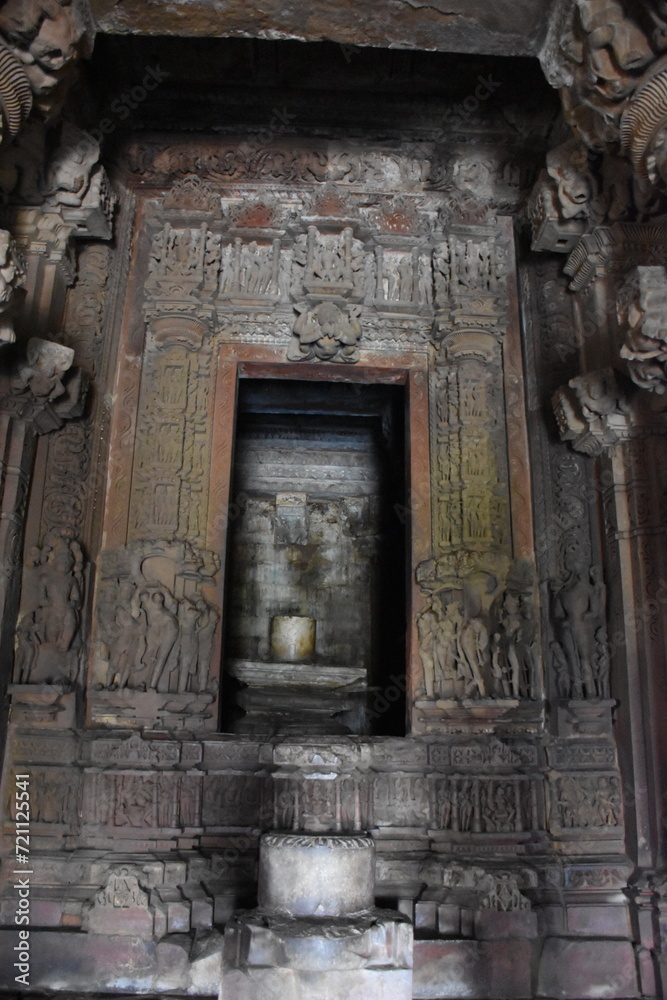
(316, 933)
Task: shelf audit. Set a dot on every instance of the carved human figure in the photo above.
(569, 803)
(405, 278)
(428, 625)
(135, 805)
(128, 642)
(446, 646)
(12, 275)
(517, 642)
(208, 620)
(575, 610)
(27, 646)
(69, 173)
(605, 801)
(161, 630)
(57, 616)
(188, 619)
(473, 643)
(465, 804)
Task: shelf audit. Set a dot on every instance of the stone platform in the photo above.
(316, 933)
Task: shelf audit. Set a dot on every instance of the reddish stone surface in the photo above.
(488, 970)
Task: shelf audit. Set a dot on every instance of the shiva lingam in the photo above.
(292, 638)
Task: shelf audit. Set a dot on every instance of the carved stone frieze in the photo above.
(151, 638)
(135, 750)
(501, 804)
(477, 888)
(585, 801)
(478, 642)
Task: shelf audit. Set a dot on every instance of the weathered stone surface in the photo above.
(506, 29)
(316, 876)
(483, 970)
(277, 984)
(579, 970)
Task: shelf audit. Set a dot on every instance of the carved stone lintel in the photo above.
(592, 412)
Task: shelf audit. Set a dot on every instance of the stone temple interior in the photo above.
(333, 358)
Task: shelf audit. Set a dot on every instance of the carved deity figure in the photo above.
(512, 648)
(128, 643)
(438, 633)
(154, 607)
(188, 619)
(326, 332)
(576, 188)
(473, 643)
(40, 375)
(69, 173)
(49, 638)
(12, 275)
(578, 609)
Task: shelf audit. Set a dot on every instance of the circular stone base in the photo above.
(316, 876)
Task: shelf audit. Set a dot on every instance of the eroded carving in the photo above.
(593, 411)
(43, 40)
(49, 639)
(642, 313)
(40, 386)
(151, 639)
(12, 276)
(593, 801)
(329, 332)
(580, 656)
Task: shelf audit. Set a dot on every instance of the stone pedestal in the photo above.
(316, 933)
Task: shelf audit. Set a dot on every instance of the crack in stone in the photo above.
(431, 6)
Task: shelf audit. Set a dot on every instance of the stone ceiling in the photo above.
(501, 27)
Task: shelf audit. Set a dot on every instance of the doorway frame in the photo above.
(410, 369)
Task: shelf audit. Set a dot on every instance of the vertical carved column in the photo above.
(38, 392)
(604, 415)
(478, 630)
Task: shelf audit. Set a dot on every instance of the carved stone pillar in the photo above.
(631, 441)
(38, 392)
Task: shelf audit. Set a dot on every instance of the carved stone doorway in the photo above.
(316, 586)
